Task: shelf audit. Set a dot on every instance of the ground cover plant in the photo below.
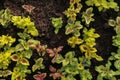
(59, 40)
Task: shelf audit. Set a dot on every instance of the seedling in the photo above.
(106, 72)
(73, 41)
(5, 73)
(103, 5)
(38, 64)
(87, 16)
(115, 24)
(73, 28)
(88, 45)
(5, 17)
(57, 24)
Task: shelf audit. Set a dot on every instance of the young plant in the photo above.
(5, 58)
(26, 45)
(5, 73)
(72, 11)
(57, 24)
(116, 58)
(72, 67)
(88, 45)
(87, 16)
(116, 40)
(106, 72)
(5, 17)
(54, 53)
(73, 41)
(73, 28)
(103, 5)
(20, 72)
(39, 76)
(25, 24)
(6, 50)
(6, 41)
(54, 73)
(115, 24)
(38, 64)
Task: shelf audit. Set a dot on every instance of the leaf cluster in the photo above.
(87, 47)
(103, 5)
(25, 24)
(57, 24)
(5, 17)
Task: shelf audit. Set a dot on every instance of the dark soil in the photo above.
(44, 10)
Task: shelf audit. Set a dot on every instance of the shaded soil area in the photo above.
(44, 10)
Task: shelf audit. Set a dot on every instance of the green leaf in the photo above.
(19, 47)
(112, 22)
(57, 59)
(117, 64)
(33, 43)
(23, 35)
(28, 54)
(57, 24)
(38, 64)
(117, 29)
(7, 73)
(71, 70)
(15, 57)
(35, 67)
(65, 62)
(24, 61)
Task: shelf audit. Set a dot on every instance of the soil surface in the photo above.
(44, 10)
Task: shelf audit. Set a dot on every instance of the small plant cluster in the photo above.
(106, 71)
(26, 24)
(19, 51)
(5, 17)
(103, 5)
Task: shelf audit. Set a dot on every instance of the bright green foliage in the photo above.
(26, 24)
(71, 66)
(73, 28)
(5, 50)
(23, 36)
(5, 17)
(72, 41)
(57, 24)
(21, 58)
(19, 72)
(103, 5)
(87, 16)
(5, 73)
(116, 40)
(5, 58)
(106, 72)
(116, 58)
(6, 40)
(85, 75)
(26, 45)
(115, 24)
(38, 64)
(87, 47)
(84, 62)
(72, 11)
